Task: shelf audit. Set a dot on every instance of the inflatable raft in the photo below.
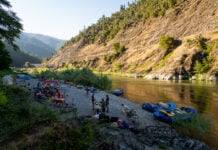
(175, 115)
(161, 105)
(117, 92)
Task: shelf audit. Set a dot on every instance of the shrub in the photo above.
(5, 72)
(118, 48)
(117, 66)
(118, 51)
(3, 98)
(191, 42)
(166, 42)
(16, 113)
(162, 62)
(203, 65)
(132, 67)
(198, 67)
(201, 43)
(198, 127)
(103, 82)
(60, 136)
(209, 47)
(80, 76)
(109, 58)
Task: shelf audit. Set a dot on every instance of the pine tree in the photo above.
(5, 59)
(10, 28)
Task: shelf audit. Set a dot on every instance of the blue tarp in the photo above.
(23, 76)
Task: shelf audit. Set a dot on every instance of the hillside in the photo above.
(192, 23)
(19, 57)
(38, 45)
(54, 43)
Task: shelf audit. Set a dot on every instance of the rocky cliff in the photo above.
(191, 23)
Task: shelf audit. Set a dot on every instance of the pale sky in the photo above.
(62, 19)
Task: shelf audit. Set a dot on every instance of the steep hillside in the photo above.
(192, 23)
(19, 57)
(38, 45)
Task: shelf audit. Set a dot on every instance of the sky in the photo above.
(62, 19)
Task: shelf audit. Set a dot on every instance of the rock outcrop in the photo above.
(151, 137)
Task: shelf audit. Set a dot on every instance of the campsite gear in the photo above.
(104, 118)
(114, 119)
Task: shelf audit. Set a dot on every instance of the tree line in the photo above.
(106, 28)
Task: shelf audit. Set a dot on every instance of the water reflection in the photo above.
(195, 94)
(203, 96)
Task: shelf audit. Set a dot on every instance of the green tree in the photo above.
(3, 98)
(198, 67)
(10, 27)
(118, 48)
(166, 42)
(4, 57)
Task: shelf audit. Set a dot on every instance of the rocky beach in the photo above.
(144, 131)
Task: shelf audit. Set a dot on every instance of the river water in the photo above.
(201, 95)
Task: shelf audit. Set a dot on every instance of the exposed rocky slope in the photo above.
(188, 21)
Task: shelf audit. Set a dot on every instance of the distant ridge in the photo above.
(33, 47)
(53, 42)
(38, 45)
(19, 57)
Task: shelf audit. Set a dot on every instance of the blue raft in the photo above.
(175, 115)
(161, 105)
(117, 92)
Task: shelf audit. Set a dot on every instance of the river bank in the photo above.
(78, 98)
(146, 125)
(163, 76)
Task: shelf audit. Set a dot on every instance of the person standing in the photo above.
(59, 94)
(124, 108)
(103, 104)
(29, 87)
(87, 90)
(39, 85)
(93, 101)
(107, 103)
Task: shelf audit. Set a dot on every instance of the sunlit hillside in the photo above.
(129, 40)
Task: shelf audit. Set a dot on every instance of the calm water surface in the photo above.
(203, 96)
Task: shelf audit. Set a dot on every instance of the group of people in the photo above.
(102, 106)
(47, 89)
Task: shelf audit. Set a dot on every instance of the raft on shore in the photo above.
(118, 92)
(175, 115)
(153, 106)
(168, 112)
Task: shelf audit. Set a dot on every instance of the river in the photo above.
(201, 95)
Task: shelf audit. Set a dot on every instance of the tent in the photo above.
(7, 80)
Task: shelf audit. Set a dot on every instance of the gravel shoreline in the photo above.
(152, 132)
(82, 101)
(78, 97)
